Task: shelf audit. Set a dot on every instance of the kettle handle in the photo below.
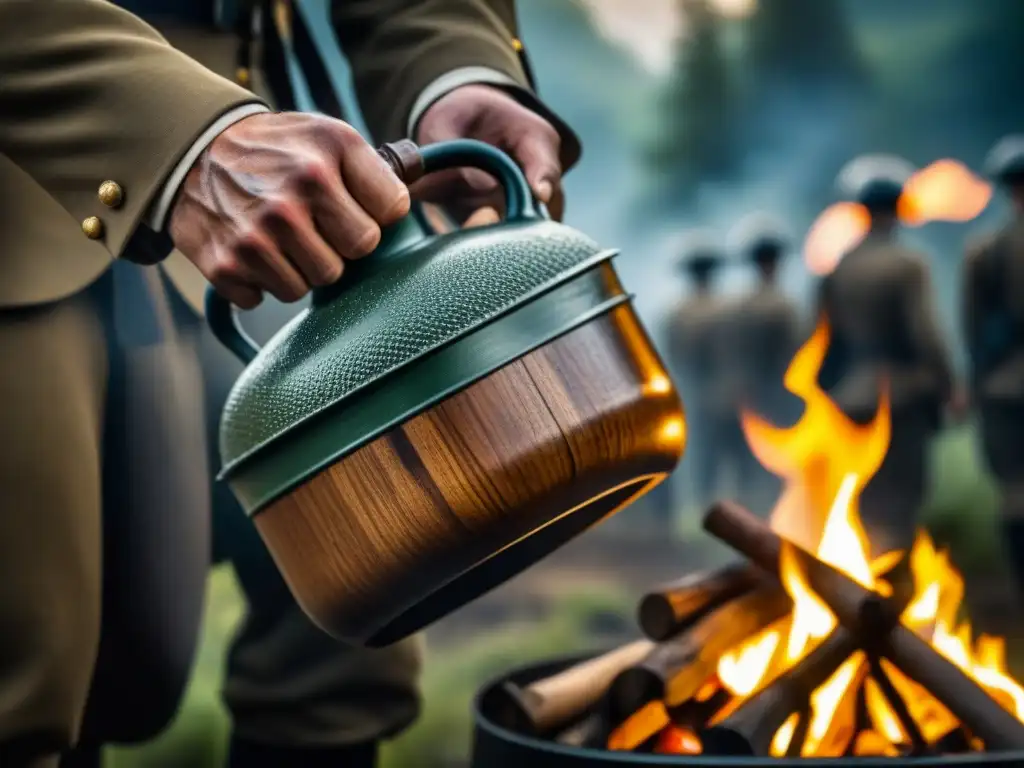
(410, 163)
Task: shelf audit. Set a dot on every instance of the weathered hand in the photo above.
(277, 203)
(959, 405)
(488, 114)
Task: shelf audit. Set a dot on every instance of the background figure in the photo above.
(885, 332)
(994, 330)
(693, 332)
(764, 334)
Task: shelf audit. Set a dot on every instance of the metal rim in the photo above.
(599, 757)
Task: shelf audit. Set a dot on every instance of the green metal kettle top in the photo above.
(417, 320)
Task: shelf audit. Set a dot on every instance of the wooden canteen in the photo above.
(456, 408)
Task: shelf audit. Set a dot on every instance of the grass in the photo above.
(441, 735)
(961, 513)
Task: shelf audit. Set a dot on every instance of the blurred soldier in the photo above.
(994, 328)
(764, 335)
(693, 332)
(885, 332)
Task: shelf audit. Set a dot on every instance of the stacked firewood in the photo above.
(662, 693)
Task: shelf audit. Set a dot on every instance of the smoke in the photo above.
(792, 146)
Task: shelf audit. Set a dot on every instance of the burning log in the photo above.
(913, 656)
(918, 743)
(675, 670)
(672, 608)
(547, 705)
(750, 729)
(697, 712)
(796, 741)
(591, 731)
(640, 727)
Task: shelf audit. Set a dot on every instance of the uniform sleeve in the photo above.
(925, 332)
(89, 94)
(398, 48)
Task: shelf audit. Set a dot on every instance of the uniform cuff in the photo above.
(448, 82)
(156, 216)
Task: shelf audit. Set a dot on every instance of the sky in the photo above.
(647, 29)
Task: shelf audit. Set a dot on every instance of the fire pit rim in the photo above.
(531, 671)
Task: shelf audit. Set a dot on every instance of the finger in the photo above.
(457, 184)
(437, 218)
(346, 227)
(272, 270)
(556, 206)
(481, 217)
(372, 183)
(537, 155)
(291, 227)
(460, 192)
(241, 295)
(233, 278)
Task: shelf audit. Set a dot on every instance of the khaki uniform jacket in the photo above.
(1003, 379)
(89, 93)
(879, 304)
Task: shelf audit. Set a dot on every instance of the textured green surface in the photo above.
(390, 311)
(421, 384)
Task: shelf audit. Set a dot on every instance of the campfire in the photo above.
(806, 646)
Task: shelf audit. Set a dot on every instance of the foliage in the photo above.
(801, 43)
(696, 140)
(962, 510)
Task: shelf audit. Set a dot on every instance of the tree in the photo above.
(796, 44)
(696, 142)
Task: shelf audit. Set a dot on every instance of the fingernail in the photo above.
(544, 190)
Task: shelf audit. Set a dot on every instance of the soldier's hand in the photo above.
(959, 406)
(488, 114)
(278, 202)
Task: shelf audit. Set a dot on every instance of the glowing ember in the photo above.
(825, 461)
(678, 741)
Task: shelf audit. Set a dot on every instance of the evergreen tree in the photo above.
(696, 141)
(803, 43)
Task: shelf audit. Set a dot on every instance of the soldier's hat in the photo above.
(700, 253)
(760, 237)
(875, 181)
(1005, 161)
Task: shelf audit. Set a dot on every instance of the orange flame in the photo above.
(826, 460)
(946, 190)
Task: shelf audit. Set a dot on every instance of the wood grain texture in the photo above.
(555, 701)
(466, 495)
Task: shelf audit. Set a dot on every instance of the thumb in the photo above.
(537, 154)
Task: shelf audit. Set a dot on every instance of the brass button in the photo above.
(93, 228)
(243, 77)
(111, 194)
(517, 44)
